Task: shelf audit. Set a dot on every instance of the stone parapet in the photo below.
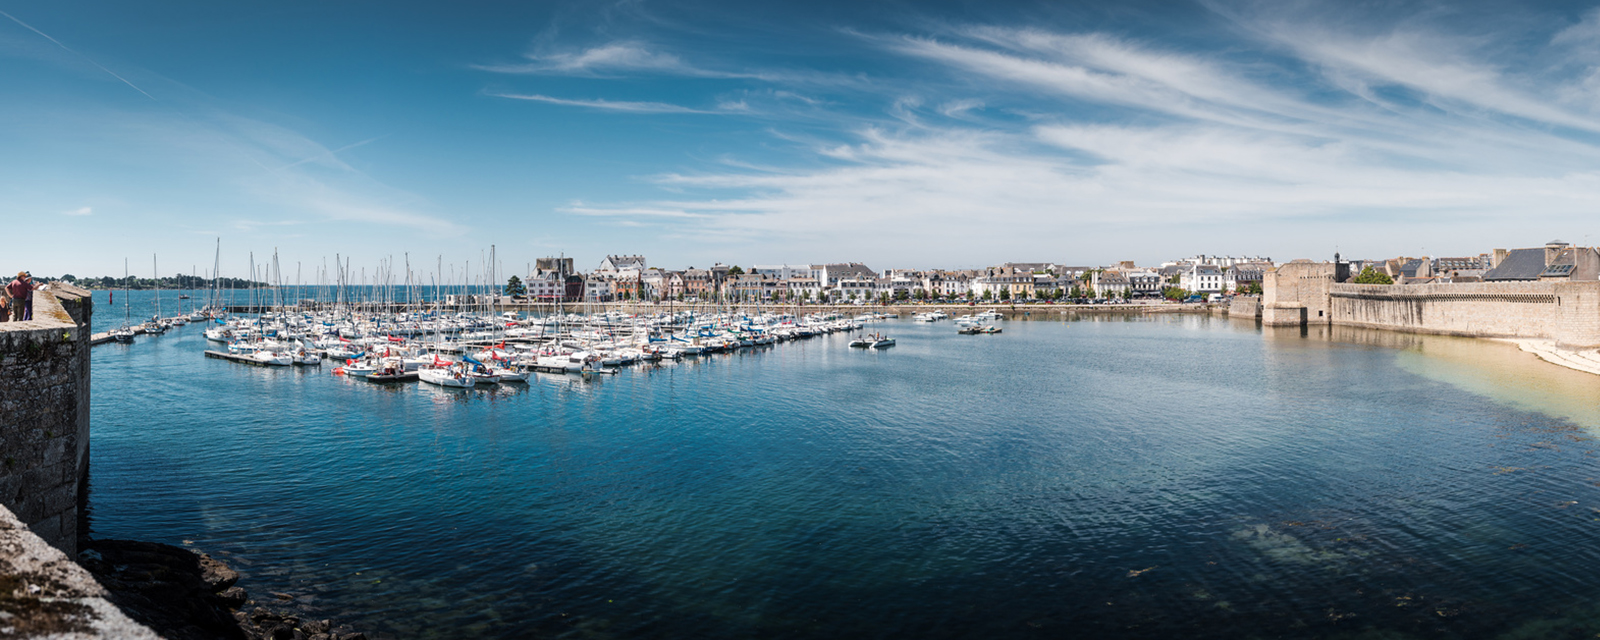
(44, 413)
(44, 594)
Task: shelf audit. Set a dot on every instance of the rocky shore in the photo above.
(188, 595)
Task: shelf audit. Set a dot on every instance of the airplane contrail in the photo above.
(91, 60)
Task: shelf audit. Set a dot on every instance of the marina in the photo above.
(661, 500)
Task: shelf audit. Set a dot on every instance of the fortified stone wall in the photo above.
(1567, 312)
(1296, 293)
(44, 414)
(1245, 307)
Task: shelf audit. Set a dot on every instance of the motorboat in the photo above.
(271, 358)
(452, 377)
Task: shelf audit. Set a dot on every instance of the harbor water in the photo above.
(1182, 476)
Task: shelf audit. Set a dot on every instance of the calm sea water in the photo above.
(1174, 477)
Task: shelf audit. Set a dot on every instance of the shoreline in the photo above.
(1587, 361)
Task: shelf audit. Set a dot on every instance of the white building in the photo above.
(621, 265)
(1202, 278)
(782, 271)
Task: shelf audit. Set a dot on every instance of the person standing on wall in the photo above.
(21, 292)
(5, 304)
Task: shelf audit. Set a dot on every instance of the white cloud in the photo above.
(1203, 151)
(604, 60)
(959, 108)
(607, 105)
(81, 211)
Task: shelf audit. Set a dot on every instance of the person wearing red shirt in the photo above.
(21, 292)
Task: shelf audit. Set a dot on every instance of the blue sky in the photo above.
(899, 134)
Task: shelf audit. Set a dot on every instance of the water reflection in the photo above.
(1493, 369)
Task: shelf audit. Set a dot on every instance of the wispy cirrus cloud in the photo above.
(1301, 125)
(621, 105)
(80, 211)
(623, 57)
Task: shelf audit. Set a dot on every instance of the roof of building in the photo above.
(1520, 264)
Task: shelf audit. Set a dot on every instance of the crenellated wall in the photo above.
(44, 414)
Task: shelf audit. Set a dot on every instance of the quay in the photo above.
(671, 307)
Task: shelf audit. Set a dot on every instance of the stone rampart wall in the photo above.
(1245, 307)
(1568, 312)
(44, 414)
(1296, 293)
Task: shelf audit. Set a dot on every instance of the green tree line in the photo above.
(174, 282)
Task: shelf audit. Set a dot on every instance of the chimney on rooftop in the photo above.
(1499, 258)
(1552, 251)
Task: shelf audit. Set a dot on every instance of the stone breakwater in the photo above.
(187, 595)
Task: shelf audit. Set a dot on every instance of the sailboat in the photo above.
(124, 333)
(155, 326)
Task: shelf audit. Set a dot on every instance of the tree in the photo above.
(1005, 294)
(902, 295)
(735, 271)
(514, 287)
(1368, 276)
(883, 298)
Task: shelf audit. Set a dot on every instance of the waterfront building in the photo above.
(698, 283)
(782, 271)
(1111, 283)
(1145, 282)
(620, 265)
(854, 288)
(596, 288)
(803, 288)
(652, 284)
(1244, 274)
(545, 286)
(672, 285)
(831, 274)
(753, 286)
(1014, 285)
(1202, 278)
(1221, 262)
(562, 267)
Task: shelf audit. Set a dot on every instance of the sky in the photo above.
(899, 134)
